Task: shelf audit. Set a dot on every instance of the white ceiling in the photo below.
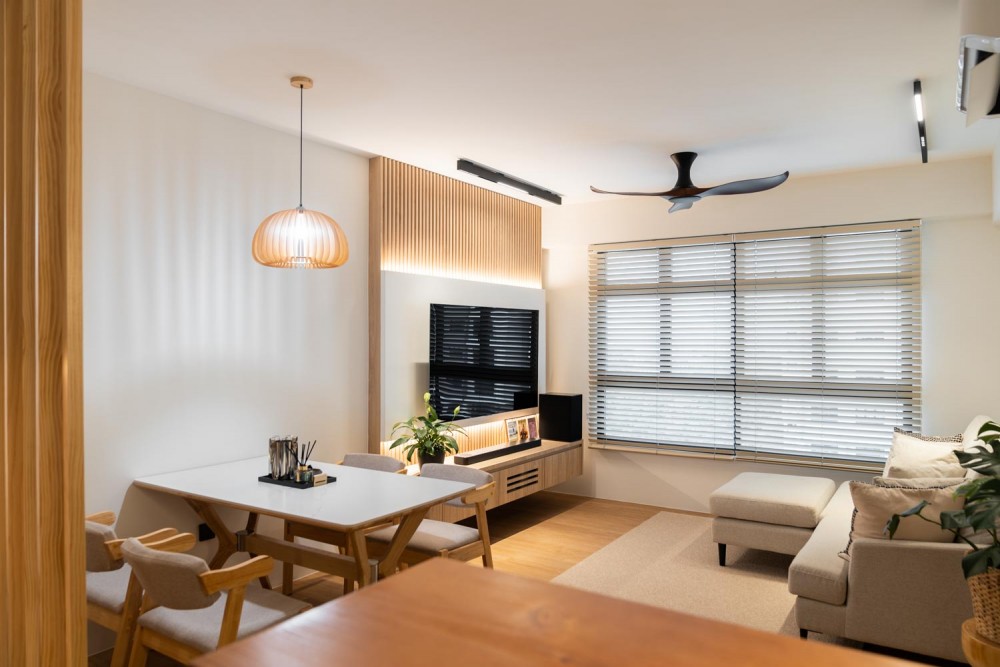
(564, 93)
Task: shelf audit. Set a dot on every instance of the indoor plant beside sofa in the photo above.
(975, 525)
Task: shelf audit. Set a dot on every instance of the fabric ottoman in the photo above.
(769, 512)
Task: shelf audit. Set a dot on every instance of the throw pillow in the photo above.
(875, 505)
(919, 482)
(930, 438)
(912, 457)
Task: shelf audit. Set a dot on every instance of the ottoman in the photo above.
(769, 512)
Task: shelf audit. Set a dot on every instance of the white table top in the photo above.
(359, 497)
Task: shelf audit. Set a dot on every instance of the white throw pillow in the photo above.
(912, 457)
(875, 505)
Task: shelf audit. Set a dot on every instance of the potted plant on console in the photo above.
(427, 435)
(976, 524)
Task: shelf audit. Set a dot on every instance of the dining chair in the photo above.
(198, 609)
(440, 539)
(377, 462)
(108, 577)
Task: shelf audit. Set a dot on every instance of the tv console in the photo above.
(519, 474)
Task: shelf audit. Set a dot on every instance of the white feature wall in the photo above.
(961, 291)
(406, 300)
(193, 353)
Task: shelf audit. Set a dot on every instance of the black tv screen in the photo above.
(484, 360)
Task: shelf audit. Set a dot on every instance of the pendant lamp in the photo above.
(298, 238)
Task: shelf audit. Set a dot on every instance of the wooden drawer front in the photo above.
(562, 467)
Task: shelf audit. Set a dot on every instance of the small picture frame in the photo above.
(511, 429)
(522, 429)
(533, 427)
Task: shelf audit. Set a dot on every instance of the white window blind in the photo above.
(799, 346)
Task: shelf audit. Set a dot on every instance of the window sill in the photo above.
(770, 459)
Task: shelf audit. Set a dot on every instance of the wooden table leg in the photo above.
(358, 548)
(227, 540)
(407, 527)
(251, 528)
(287, 569)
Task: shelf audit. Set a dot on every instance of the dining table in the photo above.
(442, 613)
(353, 501)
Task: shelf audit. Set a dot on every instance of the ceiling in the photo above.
(564, 93)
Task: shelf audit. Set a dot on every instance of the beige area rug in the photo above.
(670, 561)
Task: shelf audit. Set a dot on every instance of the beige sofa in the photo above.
(905, 595)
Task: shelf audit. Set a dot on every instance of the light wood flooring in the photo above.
(539, 536)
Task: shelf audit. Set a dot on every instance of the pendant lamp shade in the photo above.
(298, 238)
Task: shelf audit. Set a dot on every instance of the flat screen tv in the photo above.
(483, 359)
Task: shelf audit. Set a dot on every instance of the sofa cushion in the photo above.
(786, 500)
(817, 572)
(912, 457)
(970, 436)
(875, 505)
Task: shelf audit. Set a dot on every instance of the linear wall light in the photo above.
(918, 105)
(495, 176)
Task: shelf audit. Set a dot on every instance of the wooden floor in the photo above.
(539, 536)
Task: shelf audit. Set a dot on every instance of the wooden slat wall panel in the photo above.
(429, 224)
(476, 437)
(435, 225)
(42, 610)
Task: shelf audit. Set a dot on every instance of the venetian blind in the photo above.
(796, 346)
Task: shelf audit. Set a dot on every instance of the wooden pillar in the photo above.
(42, 590)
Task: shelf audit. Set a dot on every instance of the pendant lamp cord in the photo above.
(301, 91)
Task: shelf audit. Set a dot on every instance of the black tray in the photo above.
(296, 485)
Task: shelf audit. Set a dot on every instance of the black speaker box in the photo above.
(560, 417)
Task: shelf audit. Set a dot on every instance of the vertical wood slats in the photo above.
(425, 223)
(476, 437)
(42, 598)
(435, 225)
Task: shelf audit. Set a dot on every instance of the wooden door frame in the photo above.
(42, 588)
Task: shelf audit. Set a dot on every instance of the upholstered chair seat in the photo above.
(440, 538)
(199, 628)
(107, 589)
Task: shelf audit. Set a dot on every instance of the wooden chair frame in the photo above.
(479, 549)
(232, 579)
(123, 624)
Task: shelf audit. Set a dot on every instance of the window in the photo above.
(796, 346)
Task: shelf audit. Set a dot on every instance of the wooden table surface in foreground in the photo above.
(446, 613)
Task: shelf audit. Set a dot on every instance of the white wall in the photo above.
(193, 353)
(961, 287)
(406, 300)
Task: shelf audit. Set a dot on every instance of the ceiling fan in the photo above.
(684, 194)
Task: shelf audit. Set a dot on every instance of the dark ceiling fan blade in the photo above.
(747, 186)
(682, 203)
(635, 194)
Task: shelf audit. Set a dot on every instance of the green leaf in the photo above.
(892, 526)
(954, 520)
(457, 409)
(916, 509)
(984, 459)
(981, 560)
